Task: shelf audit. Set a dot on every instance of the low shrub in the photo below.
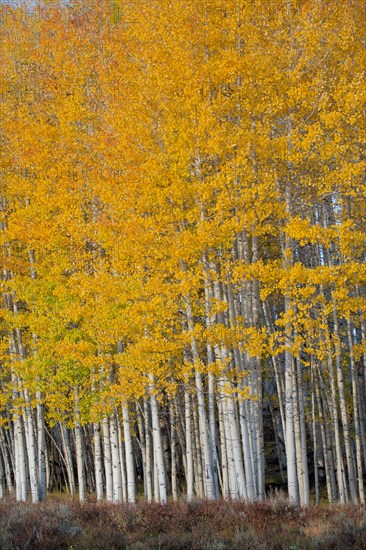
(63, 523)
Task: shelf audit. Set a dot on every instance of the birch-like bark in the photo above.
(356, 417)
(41, 434)
(225, 488)
(130, 468)
(233, 489)
(243, 409)
(280, 386)
(315, 438)
(79, 450)
(157, 442)
(342, 491)
(212, 431)
(65, 439)
(98, 462)
(258, 401)
(8, 461)
(197, 456)
(189, 448)
(173, 447)
(41, 440)
(232, 433)
(107, 452)
(211, 383)
(204, 443)
(31, 448)
(141, 442)
(116, 463)
(290, 381)
(343, 408)
(149, 487)
(290, 432)
(19, 447)
(325, 447)
(362, 389)
(20, 460)
(122, 458)
(87, 437)
(303, 450)
(237, 448)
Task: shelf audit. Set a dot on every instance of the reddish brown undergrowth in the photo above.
(65, 524)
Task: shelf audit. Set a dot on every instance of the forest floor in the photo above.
(62, 523)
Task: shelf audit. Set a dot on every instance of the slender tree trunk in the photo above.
(107, 451)
(173, 446)
(68, 458)
(334, 413)
(343, 408)
(79, 450)
(290, 432)
(149, 487)
(204, 442)
(197, 455)
(8, 461)
(122, 458)
(302, 428)
(98, 462)
(130, 468)
(116, 463)
(20, 461)
(258, 402)
(189, 449)
(315, 439)
(211, 383)
(41, 437)
(157, 442)
(225, 488)
(31, 446)
(356, 418)
(141, 441)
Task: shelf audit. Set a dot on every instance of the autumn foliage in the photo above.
(183, 231)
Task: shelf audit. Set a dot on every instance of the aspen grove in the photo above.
(182, 239)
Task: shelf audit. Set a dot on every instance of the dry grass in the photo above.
(273, 525)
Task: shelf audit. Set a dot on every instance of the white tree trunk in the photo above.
(131, 483)
(149, 488)
(356, 417)
(343, 408)
(157, 442)
(189, 448)
(197, 456)
(249, 474)
(122, 457)
(107, 460)
(31, 448)
(20, 461)
(212, 430)
(304, 456)
(173, 445)
(116, 464)
(290, 429)
(41, 437)
(79, 451)
(225, 488)
(68, 458)
(236, 444)
(208, 470)
(98, 463)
